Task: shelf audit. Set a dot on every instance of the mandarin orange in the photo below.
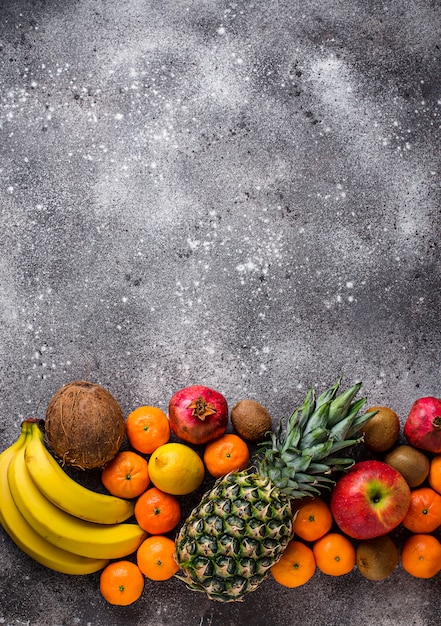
(313, 518)
(421, 555)
(334, 554)
(228, 453)
(155, 558)
(157, 512)
(127, 475)
(424, 513)
(121, 583)
(296, 565)
(147, 428)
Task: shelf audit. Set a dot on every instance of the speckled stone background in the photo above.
(238, 194)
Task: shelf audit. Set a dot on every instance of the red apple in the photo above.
(370, 500)
(198, 414)
(423, 425)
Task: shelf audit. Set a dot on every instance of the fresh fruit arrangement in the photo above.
(294, 505)
(241, 527)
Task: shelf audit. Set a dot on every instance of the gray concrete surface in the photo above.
(238, 194)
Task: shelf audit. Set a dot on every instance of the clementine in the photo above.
(334, 554)
(157, 512)
(121, 583)
(127, 475)
(424, 513)
(421, 555)
(228, 453)
(435, 473)
(313, 518)
(155, 558)
(296, 565)
(147, 428)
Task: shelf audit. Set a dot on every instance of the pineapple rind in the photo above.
(227, 556)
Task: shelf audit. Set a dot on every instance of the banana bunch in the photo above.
(55, 520)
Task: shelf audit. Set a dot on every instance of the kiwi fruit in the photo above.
(251, 420)
(381, 432)
(377, 558)
(413, 464)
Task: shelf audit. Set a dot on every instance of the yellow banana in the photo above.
(58, 487)
(5, 459)
(26, 538)
(99, 541)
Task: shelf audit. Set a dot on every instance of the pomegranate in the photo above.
(198, 414)
(423, 425)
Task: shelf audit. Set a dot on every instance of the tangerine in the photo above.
(424, 512)
(156, 558)
(334, 554)
(421, 555)
(127, 475)
(296, 565)
(228, 453)
(147, 428)
(157, 512)
(313, 518)
(435, 473)
(121, 583)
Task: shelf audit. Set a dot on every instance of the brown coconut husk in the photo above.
(84, 425)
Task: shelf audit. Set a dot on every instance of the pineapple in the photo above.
(241, 527)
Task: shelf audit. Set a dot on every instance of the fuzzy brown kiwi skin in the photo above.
(251, 420)
(412, 463)
(381, 432)
(84, 425)
(377, 558)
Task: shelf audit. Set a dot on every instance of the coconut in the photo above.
(84, 425)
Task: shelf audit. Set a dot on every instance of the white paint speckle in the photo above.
(247, 266)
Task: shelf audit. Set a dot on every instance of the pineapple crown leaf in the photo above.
(317, 436)
(297, 457)
(305, 410)
(319, 419)
(319, 451)
(329, 394)
(340, 405)
(291, 440)
(300, 455)
(342, 428)
(359, 422)
(336, 463)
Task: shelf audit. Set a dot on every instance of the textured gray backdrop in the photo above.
(238, 194)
